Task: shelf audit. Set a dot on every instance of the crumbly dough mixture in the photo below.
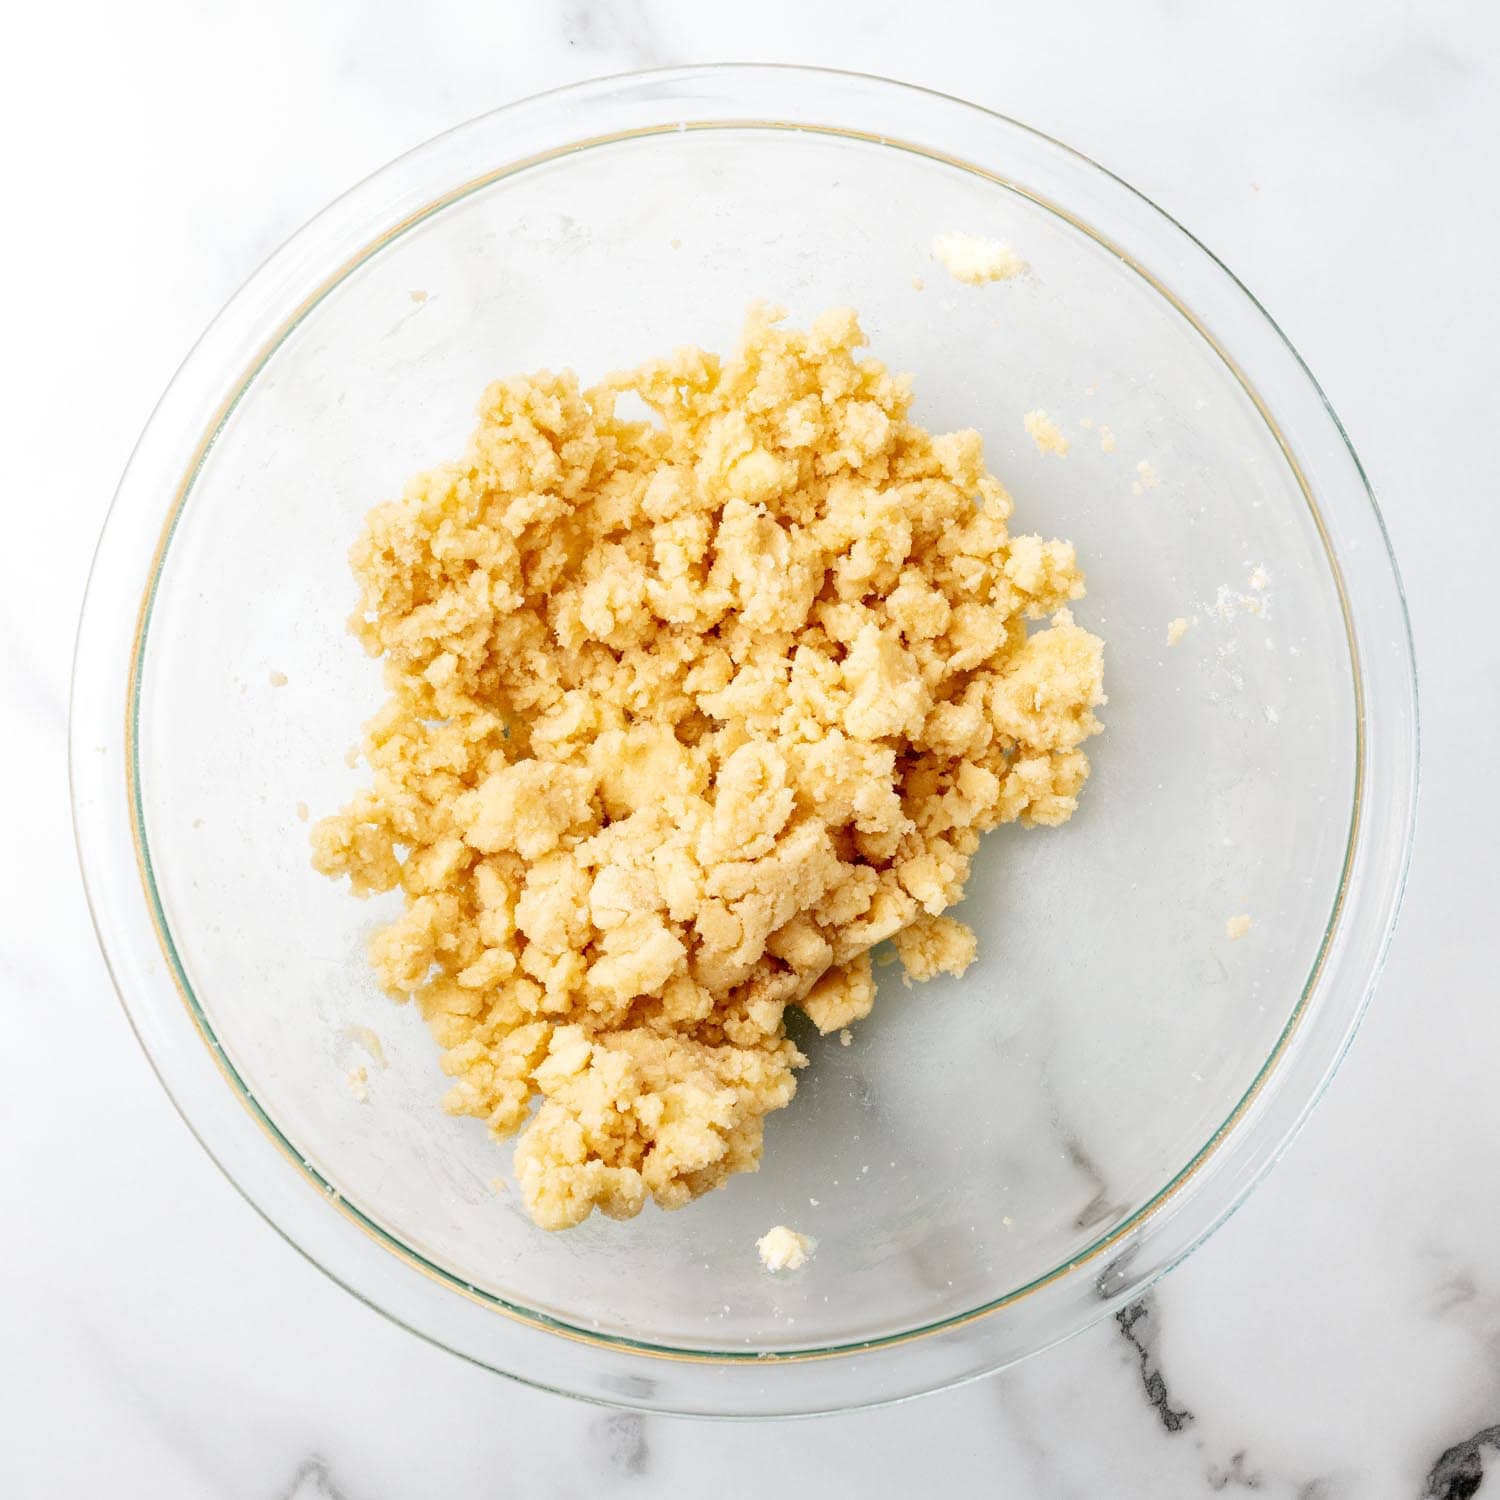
(783, 1249)
(1045, 433)
(685, 716)
(972, 259)
(1149, 478)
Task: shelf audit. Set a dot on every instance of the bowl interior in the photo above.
(979, 1133)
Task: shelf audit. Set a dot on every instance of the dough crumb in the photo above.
(418, 296)
(1259, 578)
(1106, 440)
(302, 812)
(357, 1082)
(1176, 629)
(974, 260)
(279, 679)
(1086, 423)
(685, 718)
(1228, 603)
(917, 284)
(935, 945)
(1045, 433)
(1236, 927)
(1148, 480)
(846, 1037)
(783, 1249)
(370, 1041)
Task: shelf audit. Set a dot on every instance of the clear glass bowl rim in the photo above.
(137, 947)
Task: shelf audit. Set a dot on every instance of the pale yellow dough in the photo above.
(972, 259)
(1045, 433)
(684, 718)
(783, 1249)
(1149, 478)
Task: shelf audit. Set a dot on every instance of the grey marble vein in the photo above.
(1025, 1433)
(620, 1438)
(1137, 1328)
(1321, 1488)
(1459, 1470)
(1236, 1473)
(1462, 1295)
(621, 29)
(313, 1481)
(1101, 1208)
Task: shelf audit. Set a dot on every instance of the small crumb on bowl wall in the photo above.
(302, 812)
(1107, 439)
(370, 1041)
(1176, 629)
(1149, 478)
(1045, 433)
(783, 1249)
(1236, 927)
(279, 679)
(846, 1037)
(974, 260)
(357, 1081)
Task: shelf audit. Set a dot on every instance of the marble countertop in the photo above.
(1339, 1338)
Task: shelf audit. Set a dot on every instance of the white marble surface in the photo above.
(1336, 1339)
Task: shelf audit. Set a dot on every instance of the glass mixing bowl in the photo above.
(996, 1161)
